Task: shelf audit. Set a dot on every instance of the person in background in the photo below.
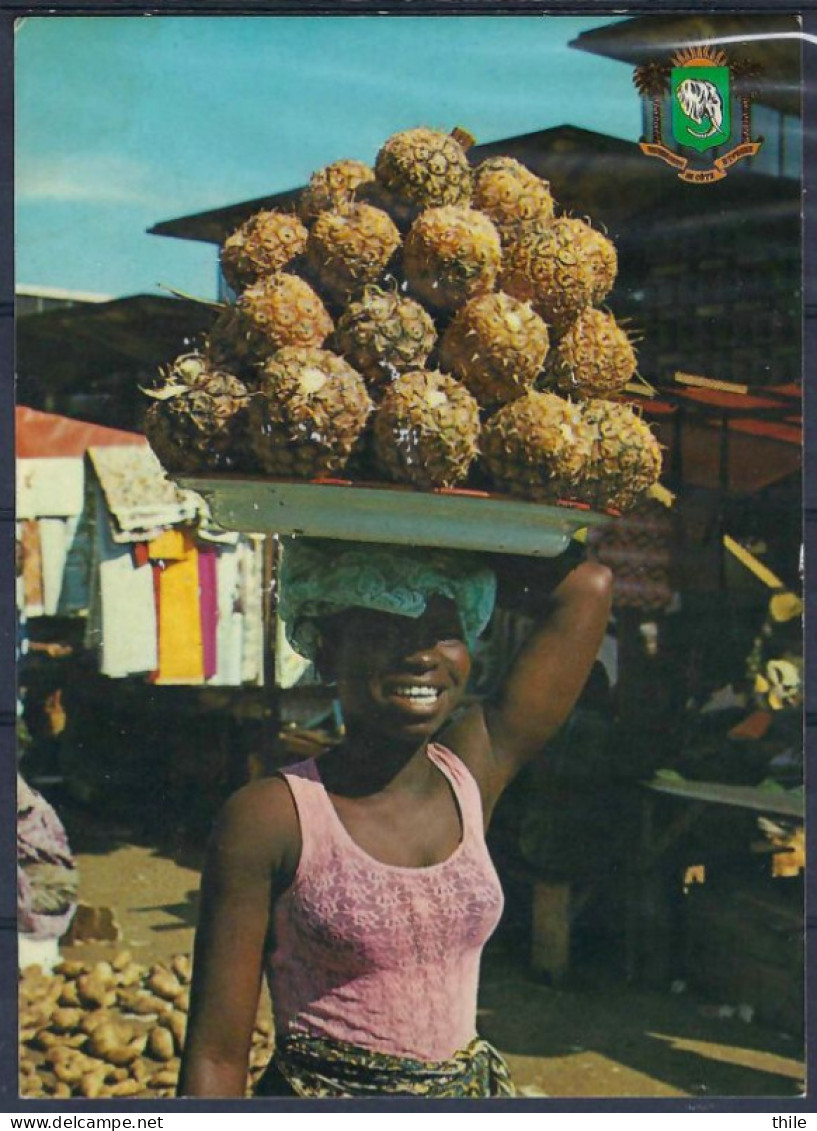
(46, 879)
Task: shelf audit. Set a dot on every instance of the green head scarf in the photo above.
(319, 577)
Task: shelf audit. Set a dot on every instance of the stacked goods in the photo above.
(385, 334)
(496, 345)
(110, 1030)
(265, 244)
(309, 412)
(423, 321)
(198, 417)
(426, 430)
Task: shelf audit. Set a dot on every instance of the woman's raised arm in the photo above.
(250, 850)
(546, 677)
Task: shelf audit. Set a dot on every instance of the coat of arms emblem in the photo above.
(701, 83)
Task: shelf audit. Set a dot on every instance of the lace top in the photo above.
(382, 955)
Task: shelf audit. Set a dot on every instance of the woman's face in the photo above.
(399, 675)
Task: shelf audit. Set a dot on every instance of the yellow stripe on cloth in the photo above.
(181, 652)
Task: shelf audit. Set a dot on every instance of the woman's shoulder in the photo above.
(258, 825)
(468, 737)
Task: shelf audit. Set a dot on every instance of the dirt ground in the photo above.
(595, 1037)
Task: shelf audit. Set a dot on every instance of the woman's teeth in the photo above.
(423, 694)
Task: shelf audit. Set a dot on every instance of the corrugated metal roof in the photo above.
(43, 435)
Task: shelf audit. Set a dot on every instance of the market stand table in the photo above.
(694, 799)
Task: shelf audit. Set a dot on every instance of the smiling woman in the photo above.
(361, 885)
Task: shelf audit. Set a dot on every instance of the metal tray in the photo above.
(363, 512)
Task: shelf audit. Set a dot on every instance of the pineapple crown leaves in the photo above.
(166, 393)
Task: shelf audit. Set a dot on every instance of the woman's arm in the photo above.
(251, 853)
(547, 677)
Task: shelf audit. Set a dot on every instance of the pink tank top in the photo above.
(381, 955)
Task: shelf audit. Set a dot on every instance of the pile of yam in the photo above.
(111, 1029)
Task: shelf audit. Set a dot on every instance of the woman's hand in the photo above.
(251, 855)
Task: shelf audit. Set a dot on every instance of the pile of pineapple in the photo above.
(111, 1029)
(421, 321)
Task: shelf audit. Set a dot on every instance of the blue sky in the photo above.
(125, 121)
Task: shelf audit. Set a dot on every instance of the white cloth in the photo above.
(230, 628)
(127, 609)
(251, 581)
(51, 488)
(56, 535)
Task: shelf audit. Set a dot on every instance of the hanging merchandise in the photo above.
(176, 575)
(251, 574)
(56, 536)
(229, 618)
(123, 619)
(33, 596)
(51, 487)
(142, 501)
(208, 608)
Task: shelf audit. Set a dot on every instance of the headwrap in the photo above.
(320, 577)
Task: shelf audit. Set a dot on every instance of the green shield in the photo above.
(701, 110)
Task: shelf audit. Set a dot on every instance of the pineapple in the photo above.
(510, 195)
(451, 254)
(264, 244)
(537, 447)
(625, 457)
(600, 253)
(281, 310)
(333, 187)
(423, 168)
(496, 345)
(198, 417)
(561, 269)
(309, 413)
(350, 248)
(383, 335)
(426, 430)
(594, 357)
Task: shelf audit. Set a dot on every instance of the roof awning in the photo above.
(581, 166)
(45, 435)
(134, 333)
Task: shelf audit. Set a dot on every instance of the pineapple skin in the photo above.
(556, 268)
(333, 187)
(282, 310)
(450, 255)
(423, 168)
(309, 413)
(593, 358)
(384, 334)
(263, 245)
(510, 194)
(496, 345)
(199, 417)
(537, 447)
(349, 249)
(426, 430)
(625, 455)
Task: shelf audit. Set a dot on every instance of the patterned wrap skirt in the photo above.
(316, 1066)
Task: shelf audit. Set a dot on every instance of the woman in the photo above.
(362, 885)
